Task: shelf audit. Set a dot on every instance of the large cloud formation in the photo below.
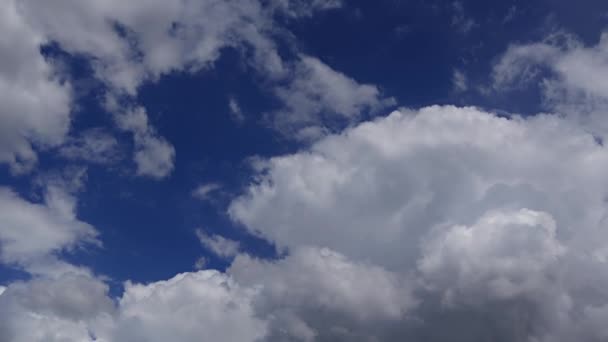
(442, 223)
(439, 223)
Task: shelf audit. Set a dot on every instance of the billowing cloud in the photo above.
(53, 309)
(34, 102)
(483, 214)
(188, 307)
(31, 232)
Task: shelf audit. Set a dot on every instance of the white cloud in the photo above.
(317, 94)
(34, 103)
(315, 287)
(187, 307)
(236, 113)
(94, 146)
(568, 73)
(500, 216)
(459, 81)
(54, 310)
(31, 232)
(154, 156)
(219, 245)
(503, 255)
(204, 191)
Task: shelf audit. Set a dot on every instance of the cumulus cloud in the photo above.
(217, 244)
(53, 309)
(187, 307)
(31, 232)
(316, 294)
(34, 102)
(434, 224)
(483, 212)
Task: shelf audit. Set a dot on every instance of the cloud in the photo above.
(32, 232)
(460, 21)
(154, 156)
(316, 294)
(427, 224)
(34, 102)
(129, 44)
(236, 113)
(567, 72)
(94, 146)
(459, 81)
(52, 309)
(484, 215)
(317, 95)
(219, 245)
(187, 307)
(503, 255)
(204, 191)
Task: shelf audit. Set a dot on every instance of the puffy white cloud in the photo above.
(53, 309)
(219, 245)
(484, 215)
(34, 103)
(503, 255)
(316, 294)
(188, 307)
(30, 232)
(373, 191)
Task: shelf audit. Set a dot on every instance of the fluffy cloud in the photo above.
(503, 255)
(34, 103)
(31, 232)
(317, 294)
(485, 215)
(445, 217)
(130, 43)
(568, 73)
(53, 309)
(187, 307)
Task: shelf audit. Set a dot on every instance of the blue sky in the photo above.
(307, 170)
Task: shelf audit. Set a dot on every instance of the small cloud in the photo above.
(459, 81)
(460, 20)
(203, 192)
(510, 14)
(219, 245)
(236, 113)
(93, 146)
(201, 263)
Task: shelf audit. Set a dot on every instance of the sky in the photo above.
(291, 170)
